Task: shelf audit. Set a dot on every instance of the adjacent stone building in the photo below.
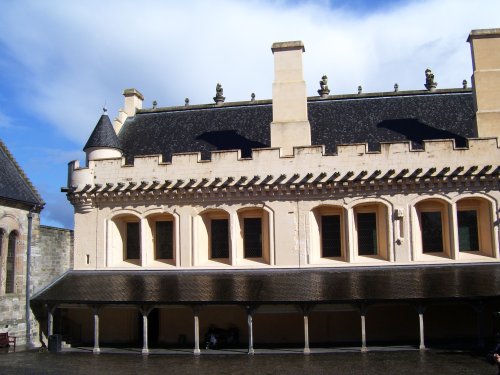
(50, 249)
(325, 220)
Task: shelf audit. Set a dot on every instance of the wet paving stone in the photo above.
(373, 363)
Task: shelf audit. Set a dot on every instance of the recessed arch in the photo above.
(124, 238)
(253, 235)
(328, 235)
(213, 237)
(9, 223)
(371, 229)
(431, 234)
(161, 237)
(475, 231)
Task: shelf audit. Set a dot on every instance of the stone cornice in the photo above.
(279, 187)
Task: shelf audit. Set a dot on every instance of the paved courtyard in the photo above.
(408, 362)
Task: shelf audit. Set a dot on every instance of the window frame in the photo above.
(322, 234)
(170, 240)
(212, 239)
(127, 240)
(442, 230)
(10, 272)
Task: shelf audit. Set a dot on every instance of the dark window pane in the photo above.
(164, 240)
(11, 264)
(1, 242)
(252, 237)
(432, 232)
(367, 233)
(330, 236)
(133, 241)
(220, 238)
(468, 239)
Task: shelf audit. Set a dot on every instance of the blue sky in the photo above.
(60, 61)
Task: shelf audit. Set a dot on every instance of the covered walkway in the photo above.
(293, 295)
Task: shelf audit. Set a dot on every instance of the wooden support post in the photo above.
(362, 310)
(196, 311)
(421, 310)
(250, 312)
(50, 320)
(306, 335)
(306, 309)
(96, 309)
(145, 310)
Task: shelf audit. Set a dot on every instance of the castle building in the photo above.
(20, 205)
(315, 221)
(25, 245)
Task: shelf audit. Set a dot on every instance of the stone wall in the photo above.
(13, 218)
(51, 255)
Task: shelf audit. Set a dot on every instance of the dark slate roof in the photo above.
(103, 135)
(366, 118)
(14, 184)
(277, 286)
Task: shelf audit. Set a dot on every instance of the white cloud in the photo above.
(81, 54)
(76, 55)
(5, 121)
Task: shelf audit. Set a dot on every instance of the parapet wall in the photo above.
(311, 160)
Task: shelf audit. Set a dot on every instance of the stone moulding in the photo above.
(425, 181)
(308, 165)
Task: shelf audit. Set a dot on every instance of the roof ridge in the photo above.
(310, 99)
(21, 172)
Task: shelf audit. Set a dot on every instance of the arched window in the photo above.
(11, 263)
(162, 234)
(328, 234)
(475, 230)
(371, 230)
(433, 231)
(253, 241)
(213, 237)
(125, 240)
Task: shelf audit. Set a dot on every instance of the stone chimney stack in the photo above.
(485, 48)
(290, 126)
(133, 102)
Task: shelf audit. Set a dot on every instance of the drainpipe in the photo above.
(28, 279)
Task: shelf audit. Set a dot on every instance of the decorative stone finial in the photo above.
(186, 102)
(360, 89)
(219, 94)
(464, 84)
(324, 90)
(155, 103)
(430, 84)
(396, 87)
(252, 97)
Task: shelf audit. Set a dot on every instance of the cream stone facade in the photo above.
(294, 215)
(292, 226)
(485, 47)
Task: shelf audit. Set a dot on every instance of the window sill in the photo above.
(432, 256)
(473, 255)
(370, 259)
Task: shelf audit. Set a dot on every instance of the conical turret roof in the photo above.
(103, 136)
